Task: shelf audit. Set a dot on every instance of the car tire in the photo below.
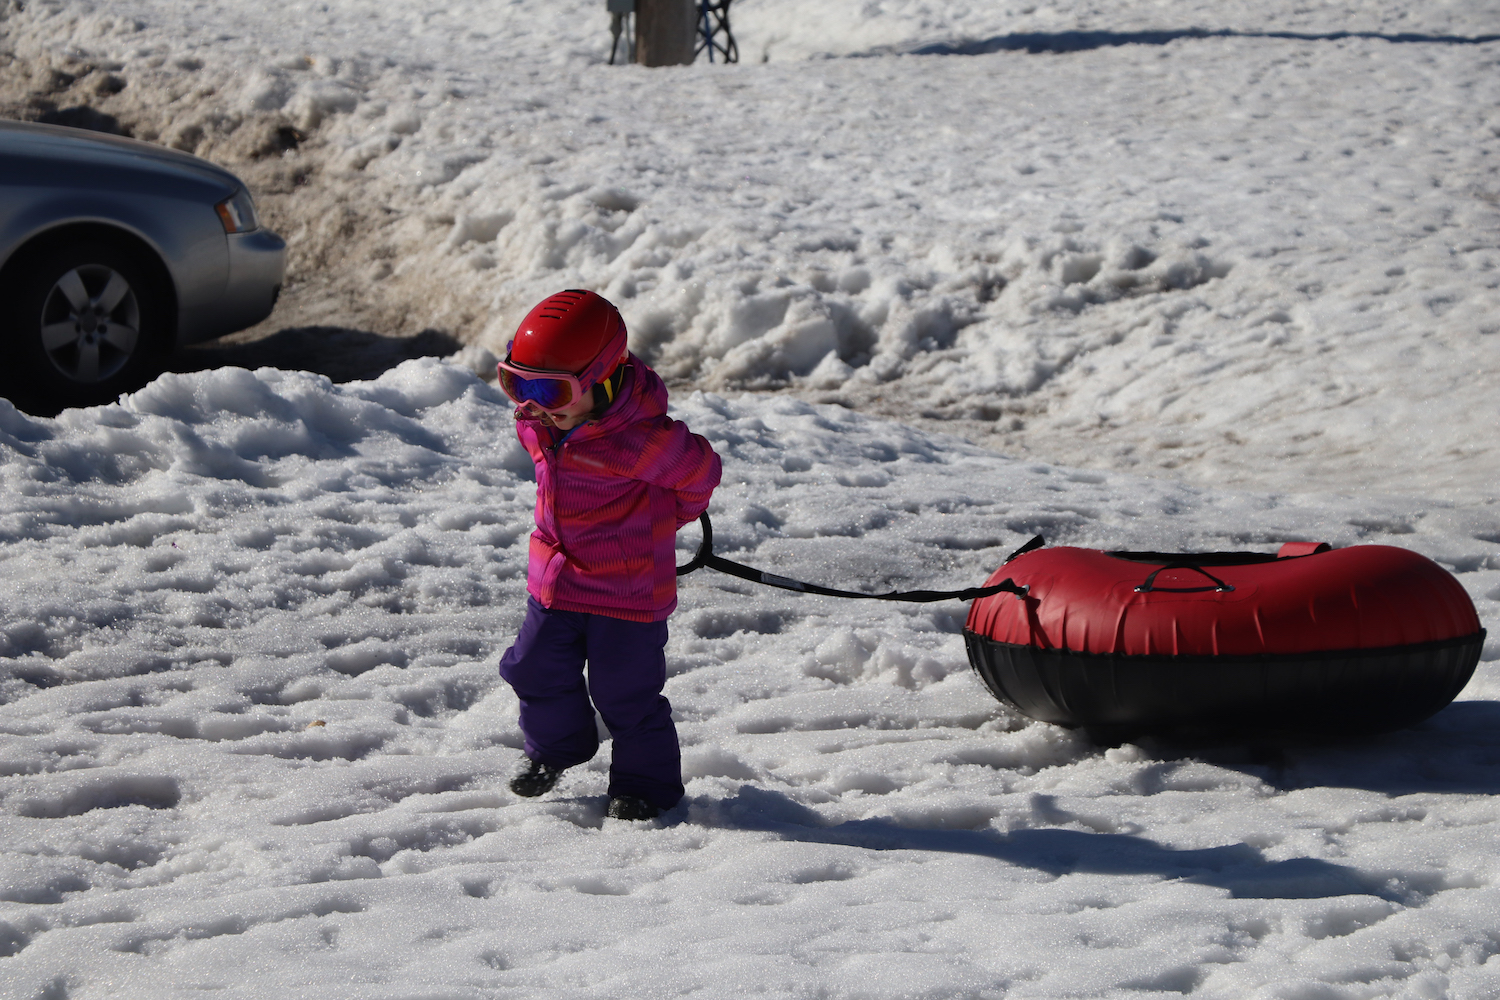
(88, 322)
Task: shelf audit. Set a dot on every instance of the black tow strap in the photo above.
(706, 557)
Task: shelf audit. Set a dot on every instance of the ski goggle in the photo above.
(546, 390)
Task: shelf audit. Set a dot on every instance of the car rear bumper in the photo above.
(257, 267)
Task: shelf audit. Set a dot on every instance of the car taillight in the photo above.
(237, 213)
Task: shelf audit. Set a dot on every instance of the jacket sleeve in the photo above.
(677, 459)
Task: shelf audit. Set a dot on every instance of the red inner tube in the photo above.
(1088, 601)
(1349, 641)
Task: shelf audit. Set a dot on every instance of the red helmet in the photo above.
(573, 331)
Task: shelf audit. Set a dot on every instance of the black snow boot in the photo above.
(537, 779)
(630, 807)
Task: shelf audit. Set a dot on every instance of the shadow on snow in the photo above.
(1457, 751)
(340, 353)
(1082, 41)
(1238, 868)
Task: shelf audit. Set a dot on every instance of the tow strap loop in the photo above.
(706, 558)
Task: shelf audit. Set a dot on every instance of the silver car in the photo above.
(113, 252)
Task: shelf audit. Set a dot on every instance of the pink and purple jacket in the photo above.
(610, 496)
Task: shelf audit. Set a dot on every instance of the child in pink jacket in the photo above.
(615, 478)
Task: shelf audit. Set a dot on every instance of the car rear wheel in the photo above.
(89, 323)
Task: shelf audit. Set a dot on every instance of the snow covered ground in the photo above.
(253, 740)
(256, 744)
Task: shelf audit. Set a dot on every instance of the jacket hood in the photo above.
(642, 395)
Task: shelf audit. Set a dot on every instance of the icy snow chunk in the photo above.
(202, 397)
(613, 199)
(316, 100)
(777, 337)
(362, 154)
(404, 120)
(360, 657)
(17, 427)
(11, 939)
(830, 373)
(481, 227)
(219, 727)
(841, 657)
(854, 280)
(74, 794)
(1126, 753)
(907, 667)
(478, 359)
(864, 478)
(39, 881)
(420, 384)
(753, 316)
(103, 26)
(266, 90)
(1076, 268)
(715, 762)
(426, 169)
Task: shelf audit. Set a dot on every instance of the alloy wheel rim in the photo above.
(90, 323)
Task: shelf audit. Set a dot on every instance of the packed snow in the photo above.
(256, 742)
(1190, 276)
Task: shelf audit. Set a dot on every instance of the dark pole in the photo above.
(665, 32)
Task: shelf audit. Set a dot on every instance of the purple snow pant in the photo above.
(627, 670)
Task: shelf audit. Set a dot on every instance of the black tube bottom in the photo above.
(1338, 694)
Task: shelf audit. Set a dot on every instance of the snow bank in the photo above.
(1252, 260)
(254, 741)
